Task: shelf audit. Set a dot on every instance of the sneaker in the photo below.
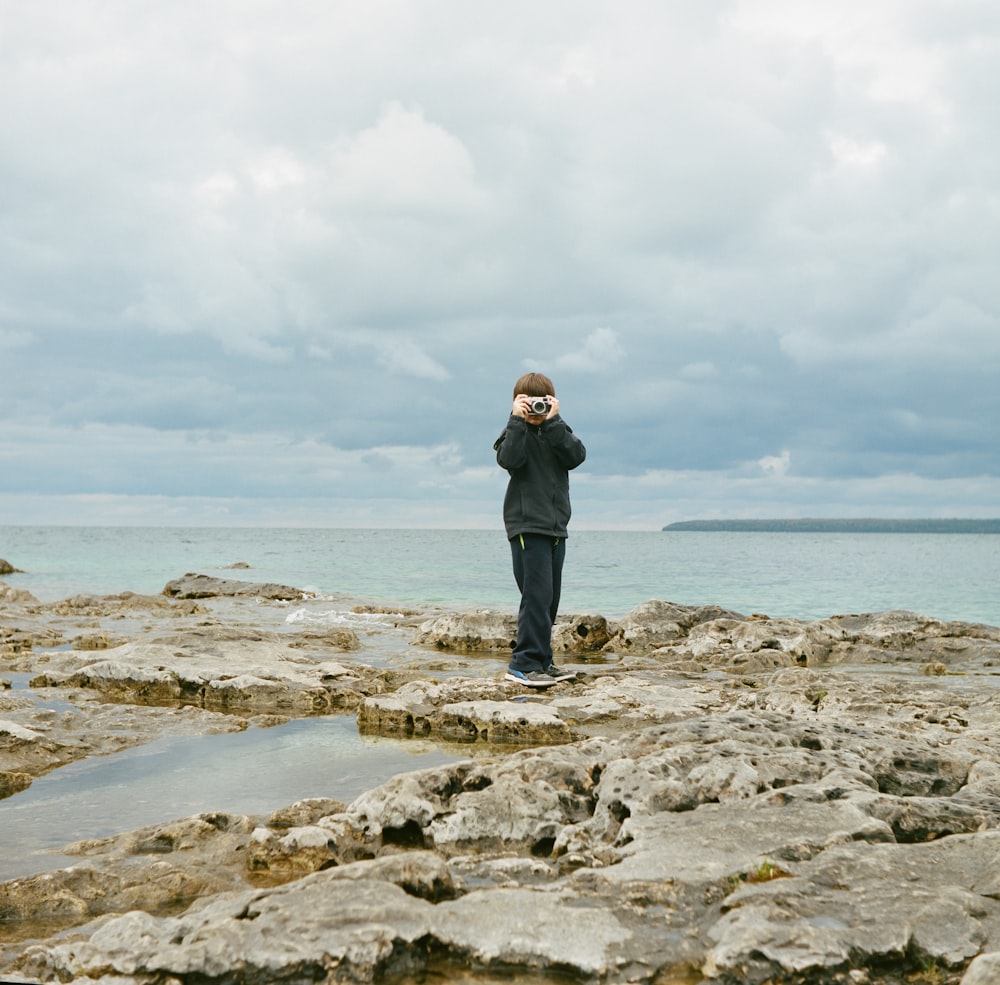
(531, 678)
(558, 674)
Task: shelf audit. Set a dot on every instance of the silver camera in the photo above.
(538, 406)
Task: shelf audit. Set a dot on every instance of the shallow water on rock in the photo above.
(251, 772)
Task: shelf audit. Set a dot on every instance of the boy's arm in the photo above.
(511, 446)
(566, 446)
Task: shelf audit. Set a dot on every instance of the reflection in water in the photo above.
(251, 772)
(447, 973)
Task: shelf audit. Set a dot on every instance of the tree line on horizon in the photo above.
(846, 525)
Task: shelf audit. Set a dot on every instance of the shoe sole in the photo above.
(541, 685)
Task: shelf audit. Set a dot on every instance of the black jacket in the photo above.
(538, 458)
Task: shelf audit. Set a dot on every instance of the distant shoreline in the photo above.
(843, 526)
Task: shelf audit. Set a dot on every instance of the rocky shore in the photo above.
(718, 797)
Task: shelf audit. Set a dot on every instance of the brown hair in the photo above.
(534, 385)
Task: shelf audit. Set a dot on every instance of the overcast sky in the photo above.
(281, 262)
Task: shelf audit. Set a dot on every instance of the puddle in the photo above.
(252, 772)
(19, 683)
(451, 974)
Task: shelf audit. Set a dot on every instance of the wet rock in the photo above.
(97, 641)
(223, 668)
(70, 896)
(120, 606)
(15, 596)
(335, 638)
(15, 641)
(473, 711)
(12, 782)
(6, 568)
(195, 586)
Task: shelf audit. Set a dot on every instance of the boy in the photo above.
(538, 449)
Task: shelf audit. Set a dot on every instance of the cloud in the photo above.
(276, 252)
(600, 352)
(402, 164)
(405, 357)
(14, 340)
(775, 464)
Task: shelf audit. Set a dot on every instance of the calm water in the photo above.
(251, 772)
(950, 576)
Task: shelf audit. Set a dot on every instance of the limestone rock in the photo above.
(337, 638)
(754, 799)
(195, 586)
(487, 631)
(341, 930)
(655, 623)
(222, 668)
(16, 596)
(304, 812)
(475, 711)
(985, 970)
(12, 782)
(851, 901)
(123, 605)
(581, 637)
(97, 641)
(495, 632)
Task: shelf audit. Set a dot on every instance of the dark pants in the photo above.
(538, 563)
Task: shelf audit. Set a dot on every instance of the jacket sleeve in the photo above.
(565, 445)
(511, 446)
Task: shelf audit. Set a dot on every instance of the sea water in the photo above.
(797, 575)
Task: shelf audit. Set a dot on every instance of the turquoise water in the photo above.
(802, 575)
(251, 772)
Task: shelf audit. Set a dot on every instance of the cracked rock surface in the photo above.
(716, 798)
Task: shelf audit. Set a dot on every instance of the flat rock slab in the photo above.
(196, 586)
(224, 668)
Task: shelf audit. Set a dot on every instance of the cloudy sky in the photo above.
(281, 262)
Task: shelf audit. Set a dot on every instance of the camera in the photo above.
(538, 406)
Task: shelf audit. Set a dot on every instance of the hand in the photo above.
(521, 408)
